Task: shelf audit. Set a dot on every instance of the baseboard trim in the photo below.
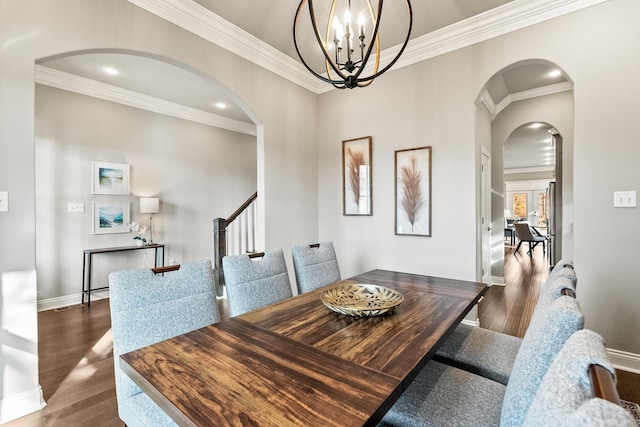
(69, 300)
(19, 405)
(471, 322)
(497, 281)
(624, 360)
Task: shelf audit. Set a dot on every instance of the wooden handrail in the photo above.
(166, 269)
(602, 384)
(244, 206)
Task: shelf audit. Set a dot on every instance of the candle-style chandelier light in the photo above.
(345, 66)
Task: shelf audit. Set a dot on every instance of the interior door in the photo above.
(485, 208)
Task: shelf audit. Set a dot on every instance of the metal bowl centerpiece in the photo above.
(361, 300)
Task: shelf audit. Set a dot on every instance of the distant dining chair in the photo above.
(315, 265)
(524, 234)
(147, 309)
(256, 280)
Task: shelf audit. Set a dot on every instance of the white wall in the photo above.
(29, 30)
(198, 172)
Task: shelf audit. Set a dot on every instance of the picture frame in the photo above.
(413, 191)
(111, 217)
(110, 178)
(357, 189)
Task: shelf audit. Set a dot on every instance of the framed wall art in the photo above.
(111, 217)
(110, 178)
(413, 191)
(356, 176)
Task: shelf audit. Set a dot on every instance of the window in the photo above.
(520, 205)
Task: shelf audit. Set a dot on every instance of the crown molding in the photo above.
(61, 80)
(496, 22)
(495, 109)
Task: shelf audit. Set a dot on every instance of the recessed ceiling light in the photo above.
(554, 73)
(220, 105)
(111, 71)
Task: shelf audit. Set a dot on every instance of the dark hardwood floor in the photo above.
(76, 359)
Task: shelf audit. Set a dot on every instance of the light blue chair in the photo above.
(443, 395)
(565, 396)
(146, 309)
(254, 281)
(492, 354)
(315, 265)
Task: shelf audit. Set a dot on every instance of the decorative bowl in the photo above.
(361, 300)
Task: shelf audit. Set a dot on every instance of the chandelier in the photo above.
(346, 64)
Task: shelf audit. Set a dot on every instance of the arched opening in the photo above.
(159, 118)
(527, 109)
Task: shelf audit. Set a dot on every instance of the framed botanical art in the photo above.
(356, 176)
(413, 191)
(110, 178)
(111, 217)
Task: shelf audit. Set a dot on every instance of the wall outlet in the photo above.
(624, 199)
(75, 207)
(4, 201)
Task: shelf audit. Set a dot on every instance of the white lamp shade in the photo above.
(149, 205)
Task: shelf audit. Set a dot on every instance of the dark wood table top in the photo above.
(298, 363)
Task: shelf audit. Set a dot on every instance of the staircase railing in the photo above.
(233, 236)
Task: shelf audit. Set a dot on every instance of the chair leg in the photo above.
(517, 247)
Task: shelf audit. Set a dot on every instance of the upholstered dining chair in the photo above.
(492, 354)
(256, 280)
(315, 265)
(569, 395)
(147, 308)
(523, 231)
(446, 395)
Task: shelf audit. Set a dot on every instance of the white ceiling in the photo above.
(271, 21)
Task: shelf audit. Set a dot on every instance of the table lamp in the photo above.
(150, 205)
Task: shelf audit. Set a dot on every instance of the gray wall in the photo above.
(198, 172)
(30, 30)
(432, 103)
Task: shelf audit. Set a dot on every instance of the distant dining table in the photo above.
(297, 363)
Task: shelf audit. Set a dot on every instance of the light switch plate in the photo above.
(4, 201)
(75, 207)
(624, 199)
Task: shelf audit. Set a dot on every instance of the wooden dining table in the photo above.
(297, 363)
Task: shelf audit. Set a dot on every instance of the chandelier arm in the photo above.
(314, 24)
(295, 43)
(374, 36)
(404, 45)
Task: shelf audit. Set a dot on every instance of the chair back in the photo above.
(567, 395)
(146, 309)
(315, 265)
(523, 231)
(255, 282)
(541, 343)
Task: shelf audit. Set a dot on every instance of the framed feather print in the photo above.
(356, 177)
(413, 191)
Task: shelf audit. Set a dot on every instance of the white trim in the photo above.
(624, 360)
(528, 94)
(513, 16)
(21, 404)
(61, 80)
(69, 300)
(531, 185)
(471, 322)
(530, 170)
(497, 281)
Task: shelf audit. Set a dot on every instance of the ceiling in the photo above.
(271, 21)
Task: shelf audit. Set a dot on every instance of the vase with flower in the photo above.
(140, 230)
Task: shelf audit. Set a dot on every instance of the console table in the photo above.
(88, 254)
